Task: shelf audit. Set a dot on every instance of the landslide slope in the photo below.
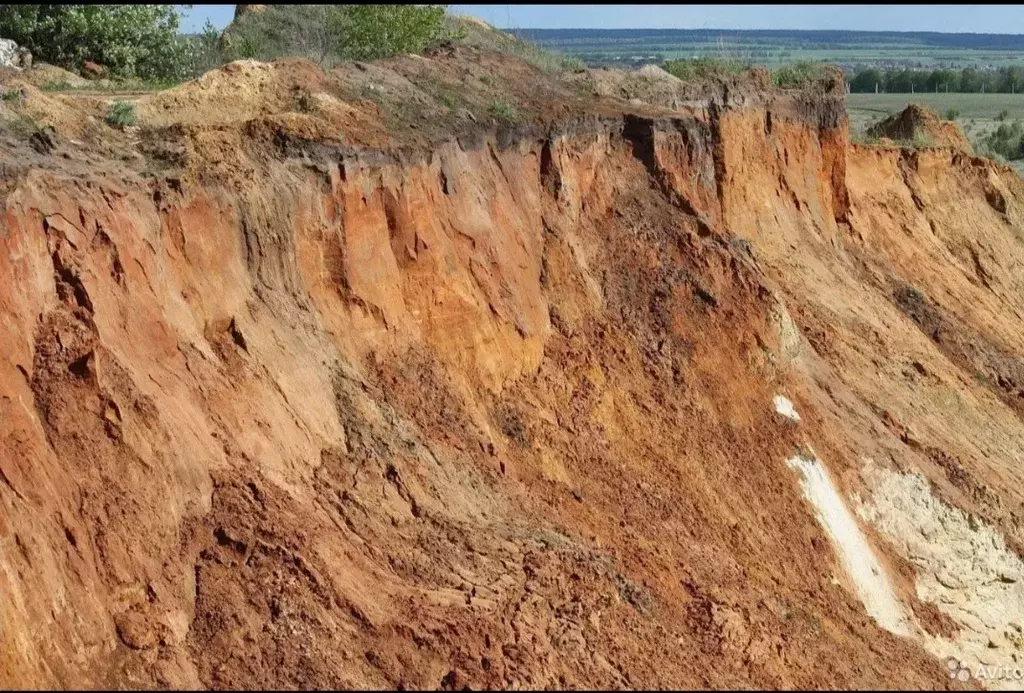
(441, 372)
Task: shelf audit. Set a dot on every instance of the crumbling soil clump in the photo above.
(919, 125)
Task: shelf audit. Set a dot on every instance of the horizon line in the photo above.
(674, 28)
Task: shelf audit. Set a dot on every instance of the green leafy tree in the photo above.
(130, 40)
(865, 80)
(370, 32)
(939, 79)
(970, 81)
(329, 33)
(1010, 79)
(898, 82)
(205, 50)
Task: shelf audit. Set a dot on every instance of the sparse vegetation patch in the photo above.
(704, 68)
(1006, 142)
(801, 75)
(503, 111)
(474, 32)
(121, 114)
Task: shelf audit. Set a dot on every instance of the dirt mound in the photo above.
(408, 101)
(239, 91)
(42, 74)
(918, 124)
(33, 108)
(655, 73)
(340, 388)
(647, 86)
(653, 85)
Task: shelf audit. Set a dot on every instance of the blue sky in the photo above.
(1004, 19)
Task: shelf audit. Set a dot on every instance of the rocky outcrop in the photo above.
(14, 56)
(92, 70)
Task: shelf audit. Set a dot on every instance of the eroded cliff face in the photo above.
(499, 412)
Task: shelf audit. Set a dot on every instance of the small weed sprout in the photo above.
(24, 125)
(121, 114)
(921, 139)
(450, 100)
(503, 111)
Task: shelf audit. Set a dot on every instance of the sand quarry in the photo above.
(347, 379)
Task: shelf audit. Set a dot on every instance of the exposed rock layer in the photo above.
(493, 412)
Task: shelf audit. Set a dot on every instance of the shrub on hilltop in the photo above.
(142, 41)
(333, 33)
(697, 69)
(328, 34)
(809, 75)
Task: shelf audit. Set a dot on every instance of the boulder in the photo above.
(14, 56)
(91, 70)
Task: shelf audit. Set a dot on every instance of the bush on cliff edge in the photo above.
(332, 33)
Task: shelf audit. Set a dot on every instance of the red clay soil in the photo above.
(301, 390)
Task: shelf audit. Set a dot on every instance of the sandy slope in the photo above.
(298, 389)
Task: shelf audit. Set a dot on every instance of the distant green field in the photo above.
(874, 56)
(918, 50)
(971, 106)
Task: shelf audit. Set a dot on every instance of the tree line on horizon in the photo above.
(969, 80)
